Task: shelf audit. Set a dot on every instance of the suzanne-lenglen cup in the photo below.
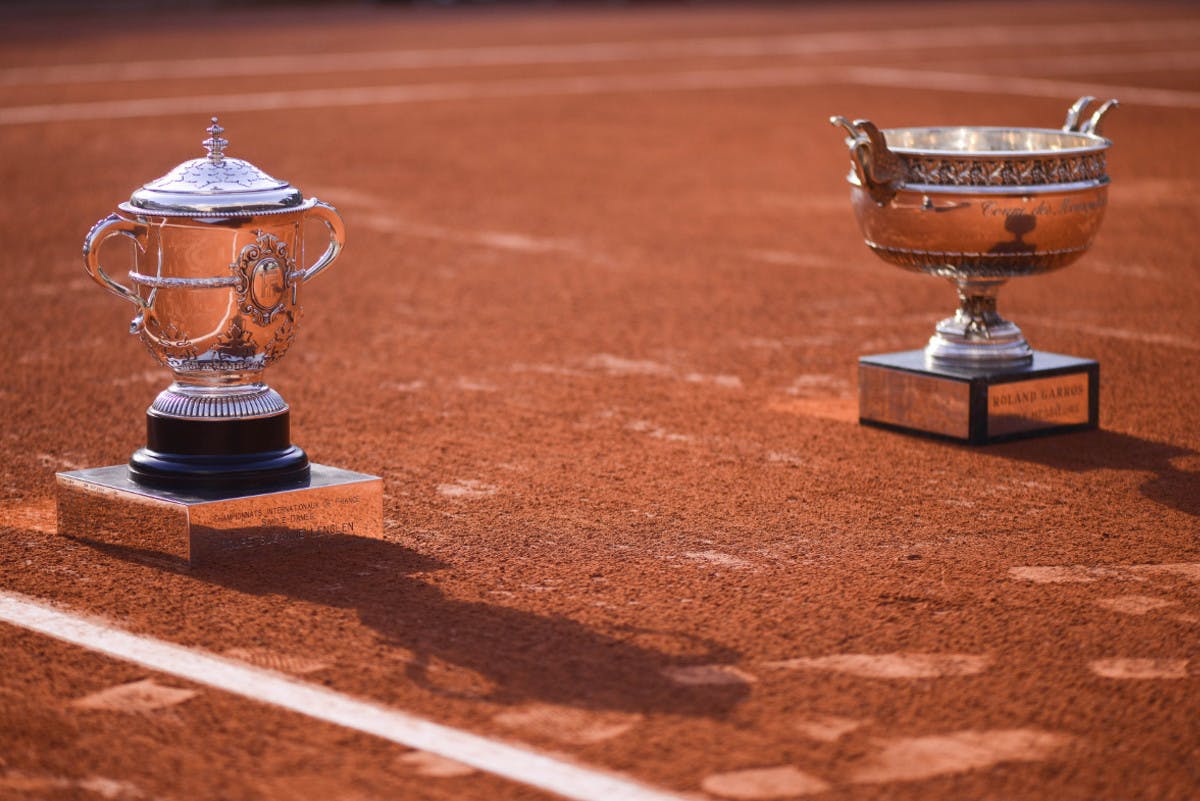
(978, 206)
(219, 267)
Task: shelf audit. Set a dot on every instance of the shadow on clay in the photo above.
(525, 656)
(1109, 450)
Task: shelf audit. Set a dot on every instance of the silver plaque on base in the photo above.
(1051, 394)
(106, 507)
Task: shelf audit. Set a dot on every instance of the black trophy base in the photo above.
(218, 454)
(977, 405)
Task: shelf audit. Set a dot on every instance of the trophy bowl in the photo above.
(218, 268)
(980, 205)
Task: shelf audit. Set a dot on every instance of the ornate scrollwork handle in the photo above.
(112, 225)
(337, 238)
(1074, 122)
(878, 169)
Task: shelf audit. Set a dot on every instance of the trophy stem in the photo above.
(977, 336)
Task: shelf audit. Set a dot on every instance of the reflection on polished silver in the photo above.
(214, 186)
(104, 506)
(979, 206)
(218, 270)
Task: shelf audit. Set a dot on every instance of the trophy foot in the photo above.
(217, 453)
(999, 346)
(977, 336)
(193, 472)
(200, 402)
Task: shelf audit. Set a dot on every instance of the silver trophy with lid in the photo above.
(218, 271)
(219, 268)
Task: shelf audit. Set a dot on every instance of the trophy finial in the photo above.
(215, 144)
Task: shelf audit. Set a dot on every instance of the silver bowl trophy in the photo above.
(218, 272)
(979, 206)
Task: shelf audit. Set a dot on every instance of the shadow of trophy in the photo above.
(979, 206)
(503, 654)
(1172, 471)
(219, 267)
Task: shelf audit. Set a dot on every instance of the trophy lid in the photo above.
(215, 186)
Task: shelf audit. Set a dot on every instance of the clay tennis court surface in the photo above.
(596, 327)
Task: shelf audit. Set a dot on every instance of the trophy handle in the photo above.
(878, 168)
(337, 238)
(1074, 122)
(112, 225)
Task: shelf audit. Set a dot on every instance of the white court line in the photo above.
(701, 80)
(1090, 33)
(1014, 85)
(265, 686)
(412, 93)
(1083, 64)
(499, 240)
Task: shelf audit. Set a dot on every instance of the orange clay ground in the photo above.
(596, 326)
